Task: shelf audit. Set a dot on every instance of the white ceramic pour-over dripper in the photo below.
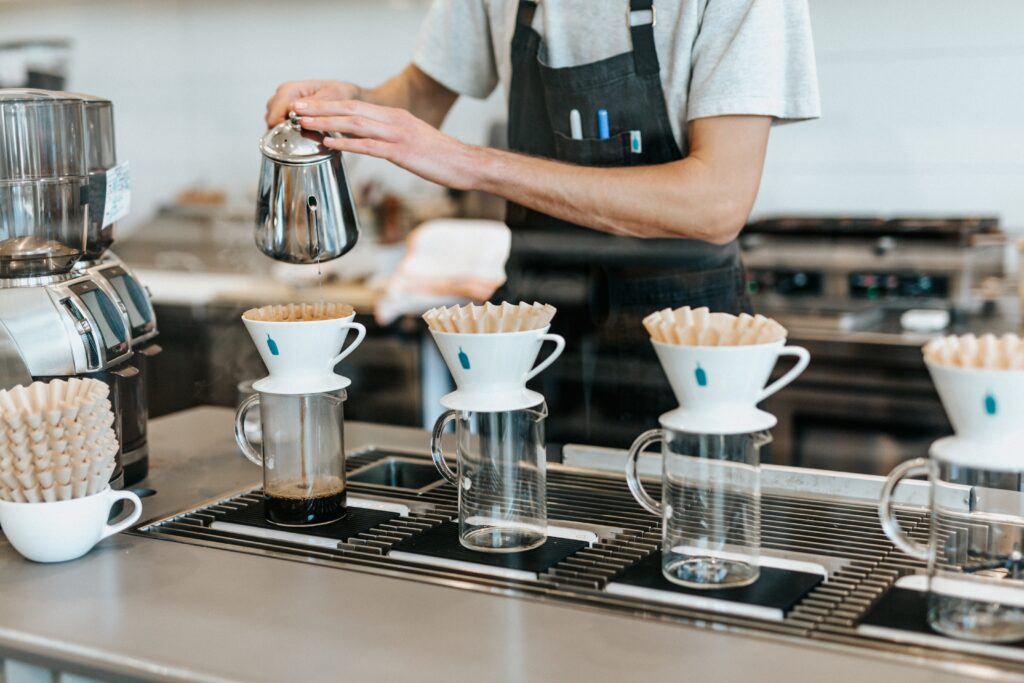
(719, 387)
(301, 355)
(491, 369)
(984, 406)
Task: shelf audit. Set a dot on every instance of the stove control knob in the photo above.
(884, 245)
(83, 327)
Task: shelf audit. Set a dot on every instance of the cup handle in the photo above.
(240, 438)
(110, 530)
(435, 447)
(360, 333)
(890, 525)
(802, 359)
(645, 440)
(559, 347)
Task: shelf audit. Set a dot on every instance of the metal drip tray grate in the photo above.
(843, 538)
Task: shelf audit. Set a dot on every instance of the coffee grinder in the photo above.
(60, 193)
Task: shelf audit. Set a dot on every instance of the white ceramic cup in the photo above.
(300, 355)
(67, 529)
(491, 369)
(716, 378)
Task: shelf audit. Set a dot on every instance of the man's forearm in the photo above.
(668, 200)
(708, 195)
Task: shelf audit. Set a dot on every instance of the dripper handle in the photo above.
(435, 447)
(241, 439)
(802, 360)
(559, 347)
(360, 333)
(642, 443)
(890, 525)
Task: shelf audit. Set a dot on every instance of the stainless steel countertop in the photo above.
(138, 608)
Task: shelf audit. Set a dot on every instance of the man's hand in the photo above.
(284, 97)
(393, 134)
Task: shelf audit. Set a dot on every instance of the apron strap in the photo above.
(524, 15)
(645, 56)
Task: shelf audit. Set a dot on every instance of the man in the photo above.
(626, 121)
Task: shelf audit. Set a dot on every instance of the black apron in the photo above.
(608, 380)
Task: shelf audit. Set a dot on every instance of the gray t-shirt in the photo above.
(718, 57)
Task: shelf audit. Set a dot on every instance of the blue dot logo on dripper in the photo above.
(463, 359)
(272, 345)
(701, 376)
(991, 407)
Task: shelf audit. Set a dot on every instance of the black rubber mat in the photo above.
(443, 541)
(903, 609)
(779, 589)
(356, 521)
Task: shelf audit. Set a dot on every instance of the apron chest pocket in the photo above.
(613, 151)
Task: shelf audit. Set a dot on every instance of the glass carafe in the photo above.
(500, 477)
(302, 454)
(975, 551)
(710, 505)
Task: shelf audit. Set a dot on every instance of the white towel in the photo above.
(447, 261)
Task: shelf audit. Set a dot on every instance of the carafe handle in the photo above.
(435, 447)
(642, 443)
(890, 525)
(241, 439)
(559, 347)
(802, 359)
(360, 333)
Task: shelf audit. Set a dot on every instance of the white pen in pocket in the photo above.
(575, 125)
(636, 142)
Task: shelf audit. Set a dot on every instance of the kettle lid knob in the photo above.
(289, 143)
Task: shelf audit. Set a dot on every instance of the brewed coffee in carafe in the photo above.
(301, 407)
(303, 455)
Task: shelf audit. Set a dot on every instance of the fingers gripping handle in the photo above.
(111, 529)
(559, 347)
(802, 359)
(241, 439)
(360, 333)
(890, 525)
(435, 447)
(645, 440)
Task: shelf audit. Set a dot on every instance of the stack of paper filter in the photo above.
(699, 327)
(288, 313)
(490, 318)
(986, 352)
(57, 440)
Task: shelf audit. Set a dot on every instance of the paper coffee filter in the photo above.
(50, 402)
(490, 318)
(56, 440)
(968, 351)
(299, 312)
(700, 327)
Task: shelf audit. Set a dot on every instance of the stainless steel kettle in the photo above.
(304, 210)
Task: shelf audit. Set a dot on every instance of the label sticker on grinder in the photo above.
(118, 199)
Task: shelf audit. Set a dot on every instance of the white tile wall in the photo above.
(923, 110)
(923, 99)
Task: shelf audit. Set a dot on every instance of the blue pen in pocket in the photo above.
(603, 131)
